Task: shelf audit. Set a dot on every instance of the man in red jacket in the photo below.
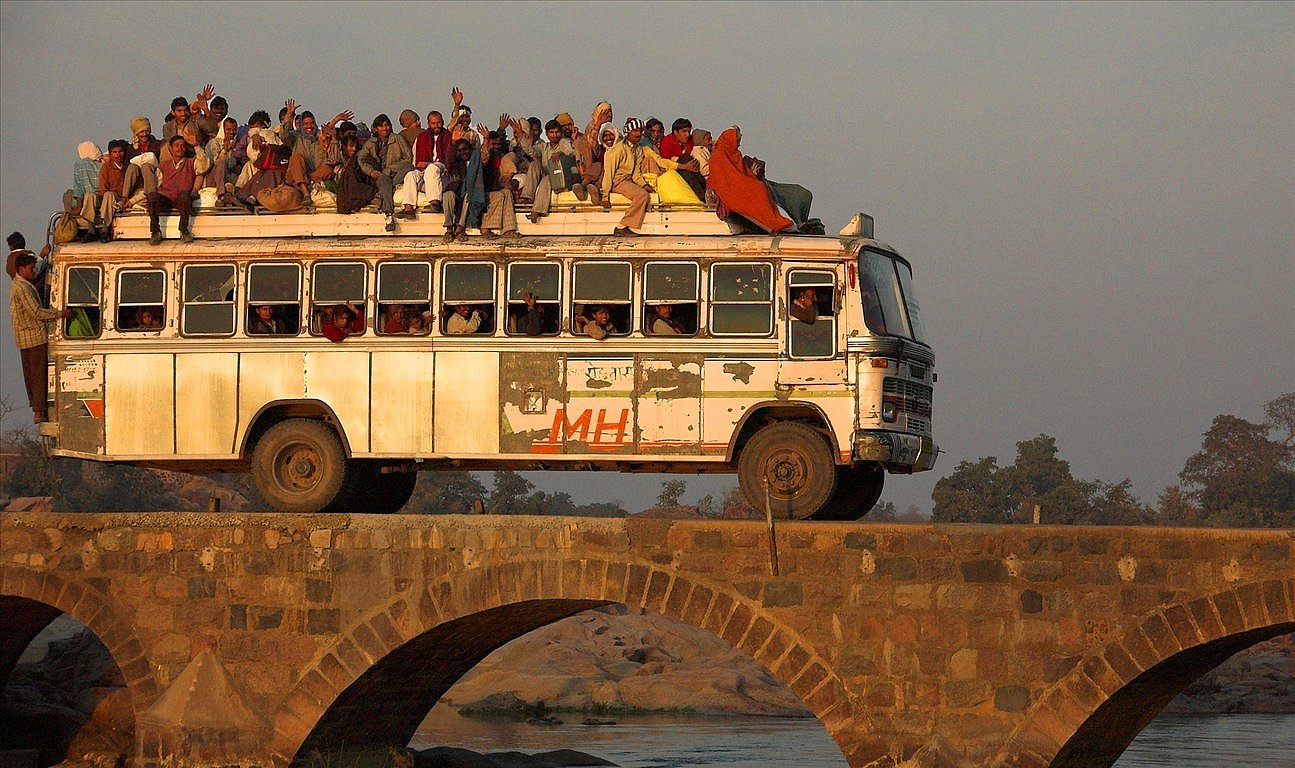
(175, 191)
(432, 151)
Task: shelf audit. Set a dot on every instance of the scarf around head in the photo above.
(88, 150)
(739, 188)
(605, 127)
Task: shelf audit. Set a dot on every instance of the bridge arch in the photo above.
(466, 615)
(1091, 715)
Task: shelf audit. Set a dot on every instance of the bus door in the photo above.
(813, 354)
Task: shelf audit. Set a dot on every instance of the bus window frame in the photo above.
(627, 303)
(829, 276)
(250, 304)
(695, 301)
(443, 302)
(556, 301)
(712, 302)
(98, 305)
(184, 303)
(118, 305)
(378, 303)
(316, 306)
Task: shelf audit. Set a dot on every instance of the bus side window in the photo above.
(811, 314)
(274, 299)
(741, 299)
(141, 300)
(467, 298)
(332, 288)
(82, 297)
(598, 285)
(534, 298)
(404, 298)
(207, 308)
(671, 298)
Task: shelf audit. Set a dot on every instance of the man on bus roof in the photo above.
(387, 159)
(175, 191)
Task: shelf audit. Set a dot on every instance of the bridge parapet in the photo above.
(942, 644)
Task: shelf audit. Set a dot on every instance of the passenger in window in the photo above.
(175, 191)
(663, 322)
(148, 319)
(529, 318)
(342, 322)
(464, 319)
(267, 322)
(600, 324)
(805, 306)
(396, 320)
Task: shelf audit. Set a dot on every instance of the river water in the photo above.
(1177, 741)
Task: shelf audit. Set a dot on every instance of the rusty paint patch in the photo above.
(740, 371)
(597, 383)
(670, 377)
(523, 372)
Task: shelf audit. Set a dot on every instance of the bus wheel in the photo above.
(794, 464)
(385, 494)
(857, 492)
(298, 466)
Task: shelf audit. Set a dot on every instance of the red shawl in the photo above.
(739, 189)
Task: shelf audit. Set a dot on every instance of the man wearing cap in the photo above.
(623, 166)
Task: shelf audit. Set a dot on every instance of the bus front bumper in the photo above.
(900, 452)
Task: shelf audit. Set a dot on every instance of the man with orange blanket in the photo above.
(738, 188)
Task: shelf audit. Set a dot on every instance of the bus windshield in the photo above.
(889, 304)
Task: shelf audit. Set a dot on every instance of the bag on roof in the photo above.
(280, 199)
(64, 229)
(274, 156)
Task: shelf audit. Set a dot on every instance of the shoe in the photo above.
(511, 234)
(624, 232)
(487, 234)
(534, 218)
(448, 237)
(155, 238)
(435, 207)
(406, 213)
(580, 192)
(186, 236)
(105, 236)
(391, 223)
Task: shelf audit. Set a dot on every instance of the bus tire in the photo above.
(857, 491)
(795, 463)
(298, 465)
(386, 494)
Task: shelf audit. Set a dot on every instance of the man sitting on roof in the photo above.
(309, 162)
(739, 190)
(224, 165)
(142, 156)
(85, 183)
(432, 149)
(253, 180)
(183, 124)
(111, 175)
(623, 167)
(554, 158)
(175, 191)
(387, 158)
(500, 212)
(679, 146)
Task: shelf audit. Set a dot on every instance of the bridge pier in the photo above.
(941, 645)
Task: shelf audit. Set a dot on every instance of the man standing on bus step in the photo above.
(30, 332)
(175, 191)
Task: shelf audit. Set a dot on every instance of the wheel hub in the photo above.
(300, 468)
(788, 472)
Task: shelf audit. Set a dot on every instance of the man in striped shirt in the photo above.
(30, 331)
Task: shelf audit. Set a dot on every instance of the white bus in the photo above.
(798, 362)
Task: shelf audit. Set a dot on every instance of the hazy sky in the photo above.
(1098, 199)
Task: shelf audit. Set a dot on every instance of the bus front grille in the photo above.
(910, 396)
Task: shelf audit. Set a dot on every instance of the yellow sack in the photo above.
(64, 229)
(673, 190)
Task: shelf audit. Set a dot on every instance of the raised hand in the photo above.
(457, 95)
(520, 128)
(207, 93)
(483, 130)
(345, 114)
(458, 132)
(505, 120)
(292, 108)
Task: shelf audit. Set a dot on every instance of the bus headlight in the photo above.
(889, 412)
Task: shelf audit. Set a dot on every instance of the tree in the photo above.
(509, 494)
(706, 506)
(1281, 416)
(972, 493)
(734, 506)
(883, 512)
(1174, 507)
(446, 493)
(1240, 477)
(671, 492)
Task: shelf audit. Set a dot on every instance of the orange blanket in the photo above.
(739, 189)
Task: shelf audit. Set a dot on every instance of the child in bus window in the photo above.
(600, 324)
(343, 321)
(663, 322)
(147, 319)
(397, 319)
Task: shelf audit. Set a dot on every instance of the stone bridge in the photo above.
(261, 639)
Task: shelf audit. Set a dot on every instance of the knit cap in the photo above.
(633, 124)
